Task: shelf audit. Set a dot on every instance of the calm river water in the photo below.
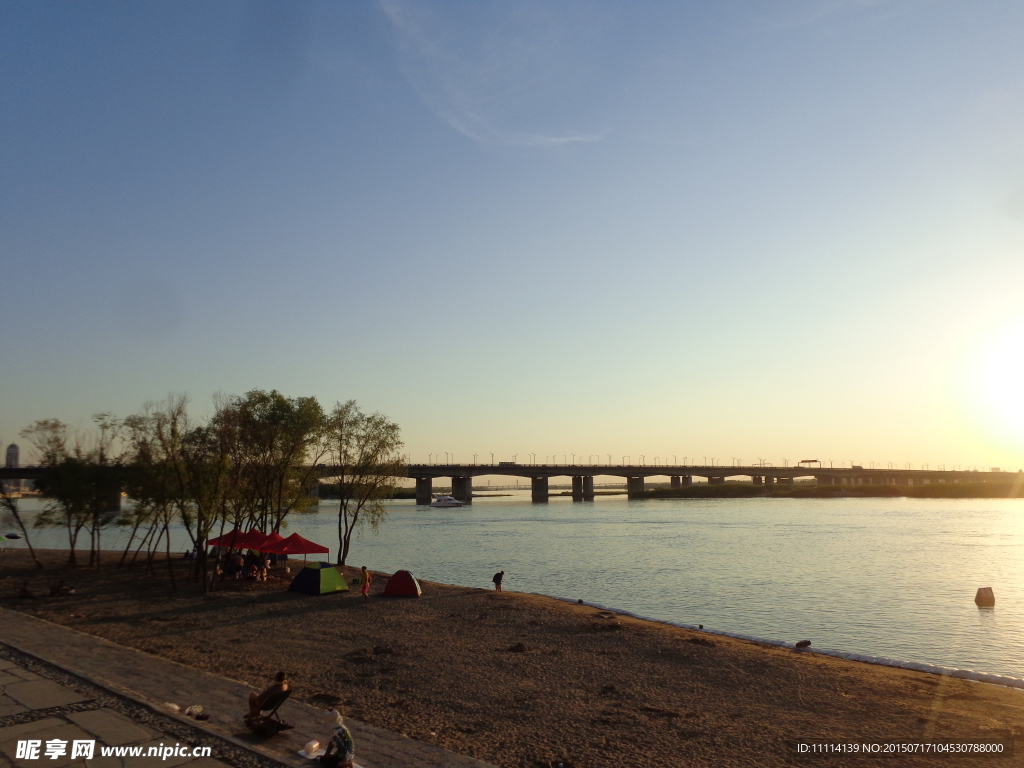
(887, 577)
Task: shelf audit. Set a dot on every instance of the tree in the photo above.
(364, 450)
(9, 513)
(82, 481)
(274, 444)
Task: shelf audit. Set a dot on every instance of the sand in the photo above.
(524, 680)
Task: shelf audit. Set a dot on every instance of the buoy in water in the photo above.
(985, 597)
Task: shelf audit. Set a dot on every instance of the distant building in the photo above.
(13, 453)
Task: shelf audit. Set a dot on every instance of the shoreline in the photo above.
(974, 675)
(522, 680)
(1006, 681)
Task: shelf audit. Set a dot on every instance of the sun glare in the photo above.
(996, 383)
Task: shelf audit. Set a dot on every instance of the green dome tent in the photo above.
(318, 579)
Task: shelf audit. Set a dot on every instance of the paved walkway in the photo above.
(151, 681)
(61, 726)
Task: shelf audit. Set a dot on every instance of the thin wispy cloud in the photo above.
(503, 76)
(802, 13)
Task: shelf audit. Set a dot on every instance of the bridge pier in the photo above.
(674, 481)
(769, 480)
(577, 488)
(113, 500)
(634, 485)
(716, 481)
(588, 488)
(687, 480)
(757, 480)
(424, 490)
(462, 489)
(313, 490)
(539, 490)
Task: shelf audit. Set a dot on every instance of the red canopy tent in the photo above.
(296, 545)
(236, 540)
(272, 538)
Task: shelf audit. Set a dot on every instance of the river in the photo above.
(885, 577)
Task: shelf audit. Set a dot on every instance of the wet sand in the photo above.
(523, 680)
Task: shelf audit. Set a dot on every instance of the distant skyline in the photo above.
(764, 230)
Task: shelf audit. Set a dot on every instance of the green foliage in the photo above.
(83, 479)
(364, 449)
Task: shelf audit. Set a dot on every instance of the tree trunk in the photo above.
(12, 507)
(170, 562)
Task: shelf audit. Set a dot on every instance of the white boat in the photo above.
(447, 501)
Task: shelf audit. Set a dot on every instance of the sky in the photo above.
(742, 231)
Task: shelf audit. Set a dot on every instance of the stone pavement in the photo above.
(147, 683)
(44, 714)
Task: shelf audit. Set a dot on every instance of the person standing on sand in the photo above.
(365, 590)
(497, 580)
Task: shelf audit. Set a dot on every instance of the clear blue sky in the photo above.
(751, 229)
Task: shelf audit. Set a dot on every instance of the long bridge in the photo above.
(680, 475)
(636, 476)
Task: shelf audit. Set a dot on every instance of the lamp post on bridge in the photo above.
(642, 459)
(492, 459)
(609, 459)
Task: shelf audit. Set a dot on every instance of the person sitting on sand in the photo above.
(257, 700)
(341, 749)
(236, 566)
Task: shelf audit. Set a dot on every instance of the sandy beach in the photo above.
(523, 680)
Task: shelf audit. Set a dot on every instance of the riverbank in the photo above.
(520, 680)
(811, 491)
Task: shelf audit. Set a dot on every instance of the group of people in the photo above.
(340, 750)
(252, 567)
